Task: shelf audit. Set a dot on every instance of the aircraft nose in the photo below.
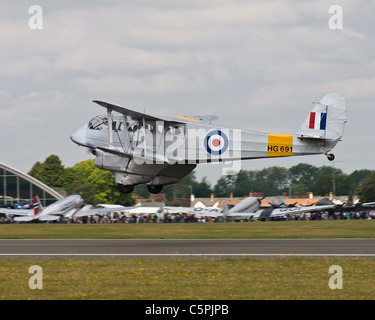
(79, 136)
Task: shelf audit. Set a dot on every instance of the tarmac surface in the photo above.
(186, 247)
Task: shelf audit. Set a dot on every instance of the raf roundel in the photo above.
(216, 142)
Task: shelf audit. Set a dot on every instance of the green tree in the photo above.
(184, 187)
(323, 185)
(141, 190)
(201, 189)
(244, 183)
(181, 189)
(333, 180)
(50, 172)
(358, 176)
(36, 170)
(366, 191)
(298, 189)
(224, 186)
(303, 175)
(273, 180)
(328, 170)
(86, 190)
(343, 185)
(95, 185)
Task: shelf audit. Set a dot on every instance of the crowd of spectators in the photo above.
(327, 215)
(139, 218)
(189, 218)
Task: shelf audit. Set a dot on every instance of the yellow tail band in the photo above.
(279, 145)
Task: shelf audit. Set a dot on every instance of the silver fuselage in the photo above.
(162, 152)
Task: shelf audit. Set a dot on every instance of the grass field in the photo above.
(235, 230)
(180, 279)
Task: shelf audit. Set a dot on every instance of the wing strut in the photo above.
(126, 135)
(110, 127)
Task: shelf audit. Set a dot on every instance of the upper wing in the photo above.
(91, 211)
(203, 212)
(128, 112)
(207, 118)
(178, 209)
(139, 115)
(141, 210)
(196, 118)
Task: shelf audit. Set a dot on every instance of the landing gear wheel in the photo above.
(154, 189)
(330, 157)
(125, 189)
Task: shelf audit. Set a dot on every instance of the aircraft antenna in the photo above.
(212, 117)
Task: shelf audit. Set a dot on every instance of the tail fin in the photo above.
(327, 118)
(249, 204)
(225, 207)
(37, 207)
(281, 202)
(273, 203)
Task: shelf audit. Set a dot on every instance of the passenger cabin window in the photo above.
(138, 126)
(133, 127)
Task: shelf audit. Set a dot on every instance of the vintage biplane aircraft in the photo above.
(145, 149)
(68, 207)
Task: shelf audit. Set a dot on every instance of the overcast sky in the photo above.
(257, 65)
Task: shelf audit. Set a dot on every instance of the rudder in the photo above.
(327, 118)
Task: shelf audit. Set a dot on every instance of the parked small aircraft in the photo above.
(248, 209)
(32, 209)
(64, 208)
(249, 204)
(144, 149)
(128, 211)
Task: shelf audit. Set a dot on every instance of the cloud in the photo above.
(109, 58)
(257, 65)
(162, 83)
(34, 110)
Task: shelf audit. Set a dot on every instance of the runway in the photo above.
(186, 247)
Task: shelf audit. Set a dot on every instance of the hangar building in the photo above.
(17, 187)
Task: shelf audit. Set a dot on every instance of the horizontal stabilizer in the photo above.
(16, 212)
(49, 218)
(305, 136)
(24, 219)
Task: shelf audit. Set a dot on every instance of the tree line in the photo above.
(98, 186)
(93, 184)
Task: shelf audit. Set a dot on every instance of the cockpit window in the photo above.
(97, 123)
(101, 122)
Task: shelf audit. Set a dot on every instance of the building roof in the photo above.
(204, 203)
(31, 180)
